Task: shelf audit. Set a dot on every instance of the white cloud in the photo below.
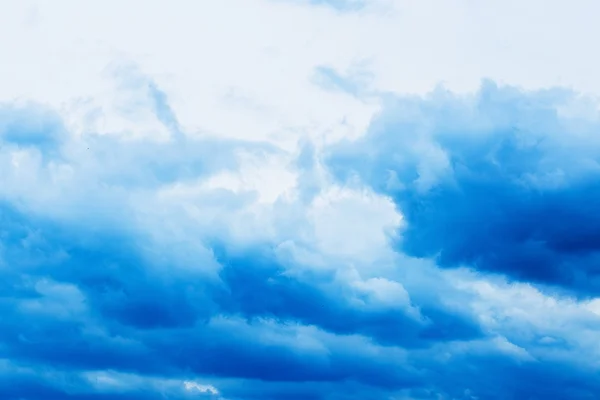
(550, 326)
(242, 68)
(352, 224)
(193, 386)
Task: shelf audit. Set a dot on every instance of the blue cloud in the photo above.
(500, 182)
(125, 304)
(257, 286)
(32, 126)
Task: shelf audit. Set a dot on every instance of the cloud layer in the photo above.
(314, 235)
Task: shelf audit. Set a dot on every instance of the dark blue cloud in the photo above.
(504, 182)
(80, 299)
(178, 333)
(258, 286)
(153, 324)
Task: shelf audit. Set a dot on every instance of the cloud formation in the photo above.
(296, 229)
(502, 181)
(116, 292)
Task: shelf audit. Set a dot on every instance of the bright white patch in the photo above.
(353, 224)
(594, 306)
(270, 177)
(384, 291)
(111, 381)
(193, 386)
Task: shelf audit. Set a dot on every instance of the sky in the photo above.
(299, 199)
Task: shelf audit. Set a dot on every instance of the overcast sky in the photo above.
(299, 199)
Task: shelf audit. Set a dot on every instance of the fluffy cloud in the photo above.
(193, 213)
(502, 181)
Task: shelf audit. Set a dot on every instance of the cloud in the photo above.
(249, 206)
(503, 181)
(137, 303)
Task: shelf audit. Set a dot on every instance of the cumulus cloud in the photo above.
(145, 298)
(292, 229)
(503, 181)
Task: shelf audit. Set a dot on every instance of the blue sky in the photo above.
(277, 200)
